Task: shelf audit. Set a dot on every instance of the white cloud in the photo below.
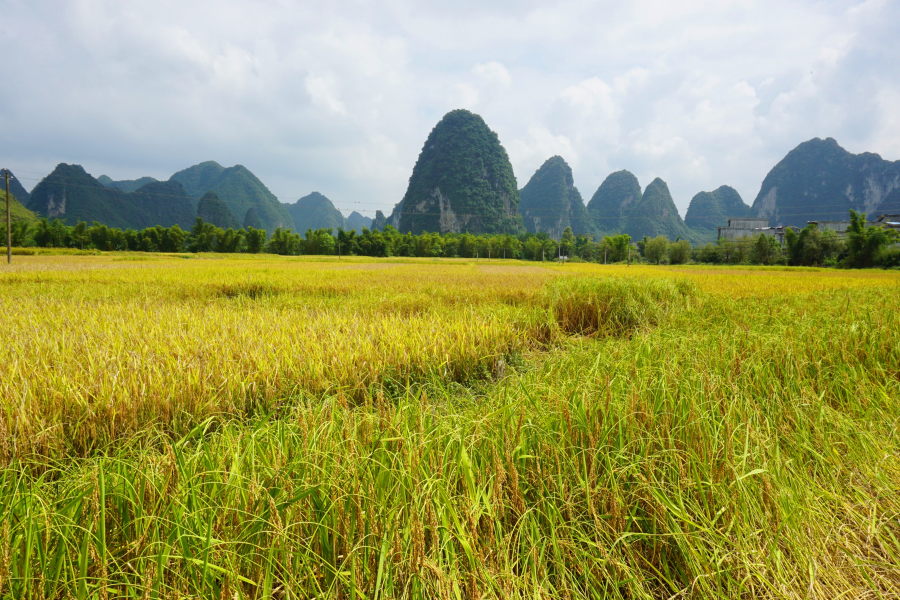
(339, 97)
(493, 73)
(324, 95)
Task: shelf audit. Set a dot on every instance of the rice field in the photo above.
(264, 427)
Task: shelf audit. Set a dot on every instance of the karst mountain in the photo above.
(239, 189)
(710, 210)
(550, 201)
(610, 205)
(70, 193)
(820, 181)
(315, 211)
(462, 182)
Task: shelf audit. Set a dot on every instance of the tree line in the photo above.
(862, 246)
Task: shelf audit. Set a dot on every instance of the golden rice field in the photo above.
(265, 427)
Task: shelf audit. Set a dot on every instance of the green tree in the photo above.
(655, 250)
(765, 251)
(80, 235)
(864, 243)
(256, 240)
(709, 254)
(679, 252)
(567, 242)
(173, 240)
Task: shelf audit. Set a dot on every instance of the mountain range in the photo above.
(463, 181)
(69, 192)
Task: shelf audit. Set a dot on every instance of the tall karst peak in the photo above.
(462, 181)
(610, 204)
(315, 211)
(239, 189)
(710, 210)
(550, 201)
(656, 214)
(358, 222)
(821, 181)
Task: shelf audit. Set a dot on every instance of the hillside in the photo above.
(710, 210)
(126, 185)
(239, 189)
(15, 187)
(315, 211)
(462, 181)
(17, 212)
(611, 203)
(656, 215)
(819, 180)
(251, 219)
(213, 210)
(71, 194)
(550, 201)
(357, 221)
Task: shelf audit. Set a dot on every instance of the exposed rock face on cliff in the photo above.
(608, 209)
(820, 181)
(550, 201)
(315, 211)
(71, 194)
(710, 210)
(239, 189)
(462, 181)
(656, 215)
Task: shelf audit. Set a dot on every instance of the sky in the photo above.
(338, 97)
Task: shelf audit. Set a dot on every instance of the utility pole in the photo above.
(8, 224)
(629, 255)
(604, 255)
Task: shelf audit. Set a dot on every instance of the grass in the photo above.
(267, 428)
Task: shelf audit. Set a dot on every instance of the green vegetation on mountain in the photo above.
(710, 210)
(315, 211)
(15, 187)
(213, 210)
(656, 215)
(239, 189)
(251, 219)
(611, 203)
(550, 201)
(17, 212)
(71, 194)
(164, 203)
(126, 185)
(462, 181)
(357, 222)
(820, 181)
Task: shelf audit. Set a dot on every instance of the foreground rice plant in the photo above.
(695, 443)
